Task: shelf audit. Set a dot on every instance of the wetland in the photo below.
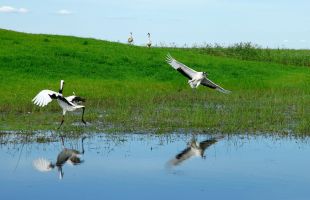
(139, 166)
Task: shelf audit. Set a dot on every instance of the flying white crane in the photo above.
(195, 78)
(69, 103)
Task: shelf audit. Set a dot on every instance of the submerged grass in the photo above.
(130, 88)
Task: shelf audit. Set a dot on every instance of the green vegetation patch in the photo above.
(131, 88)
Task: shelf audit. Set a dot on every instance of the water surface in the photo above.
(143, 166)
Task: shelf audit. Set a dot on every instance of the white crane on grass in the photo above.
(149, 42)
(130, 39)
(69, 103)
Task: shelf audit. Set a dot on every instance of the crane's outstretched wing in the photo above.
(207, 143)
(183, 69)
(184, 155)
(207, 82)
(42, 165)
(44, 97)
(75, 99)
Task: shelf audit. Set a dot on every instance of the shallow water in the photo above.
(141, 167)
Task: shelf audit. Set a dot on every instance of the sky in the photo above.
(268, 23)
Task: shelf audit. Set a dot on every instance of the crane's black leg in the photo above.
(62, 121)
(62, 141)
(61, 173)
(83, 115)
(83, 145)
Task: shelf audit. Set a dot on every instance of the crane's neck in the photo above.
(61, 86)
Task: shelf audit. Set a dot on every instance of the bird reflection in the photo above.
(194, 148)
(71, 156)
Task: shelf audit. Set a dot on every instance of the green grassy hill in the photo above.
(130, 88)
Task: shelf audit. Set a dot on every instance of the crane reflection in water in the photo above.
(194, 149)
(71, 156)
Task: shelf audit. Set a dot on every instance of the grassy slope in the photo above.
(131, 88)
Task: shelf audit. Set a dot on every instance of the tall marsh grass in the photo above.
(250, 51)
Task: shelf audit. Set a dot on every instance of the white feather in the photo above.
(176, 65)
(42, 165)
(43, 98)
(223, 90)
(70, 98)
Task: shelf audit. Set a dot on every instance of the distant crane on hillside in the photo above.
(130, 39)
(149, 42)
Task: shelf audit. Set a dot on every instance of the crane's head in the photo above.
(205, 74)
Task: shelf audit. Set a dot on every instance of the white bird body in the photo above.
(130, 39)
(149, 42)
(68, 107)
(69, 103)
(195, 78)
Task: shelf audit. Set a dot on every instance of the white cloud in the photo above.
(64, 12)
(10, 9)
